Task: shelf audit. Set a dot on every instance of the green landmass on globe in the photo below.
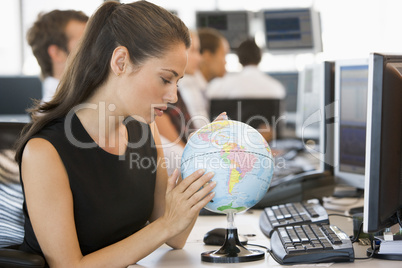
(229, 207)
(240, 158)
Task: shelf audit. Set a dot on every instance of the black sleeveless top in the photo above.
(113, 195)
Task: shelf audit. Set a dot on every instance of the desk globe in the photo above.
(243, 165)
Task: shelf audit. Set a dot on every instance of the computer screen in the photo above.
(292, 30)
(383, 187)
(17, 95)
(251, 111)
(234, 25)
(351, 85)
(290, 82)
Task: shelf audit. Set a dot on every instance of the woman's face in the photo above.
(153, 85)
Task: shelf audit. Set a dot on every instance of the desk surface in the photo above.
(247, 223)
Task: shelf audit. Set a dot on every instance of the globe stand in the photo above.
(232, 250)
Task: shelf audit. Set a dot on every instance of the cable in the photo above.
(255, 245)
(343, 204)
(372, 252)
(341, 215)
(354, 239)
(269, 251)
(274, 257)
(366, 258)
(374, 247)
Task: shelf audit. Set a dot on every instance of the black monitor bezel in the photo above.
(382, 197)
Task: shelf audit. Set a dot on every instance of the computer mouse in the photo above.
(216, 237)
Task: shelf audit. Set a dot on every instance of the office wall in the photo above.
(349, 28)
(10, 38)
(15, 19)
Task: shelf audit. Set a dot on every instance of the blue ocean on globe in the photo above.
(239, 156)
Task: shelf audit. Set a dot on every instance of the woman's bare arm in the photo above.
(50, 206)
(160, 193)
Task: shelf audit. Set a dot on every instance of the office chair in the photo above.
(251, 111)
(17, 93)
(11, 215)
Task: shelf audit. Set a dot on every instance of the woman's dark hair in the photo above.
(249, 53)
(145, 29)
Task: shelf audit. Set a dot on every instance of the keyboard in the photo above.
(313, 243)
(298, 213)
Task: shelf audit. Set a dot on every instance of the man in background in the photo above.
(52, 38)
(250, 82)
(213, 49)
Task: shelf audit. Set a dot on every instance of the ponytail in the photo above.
(145, 29)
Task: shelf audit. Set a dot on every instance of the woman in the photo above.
(94, 195)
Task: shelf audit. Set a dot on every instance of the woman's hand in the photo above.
(185, 199)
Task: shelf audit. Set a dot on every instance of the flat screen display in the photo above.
(352, 121)
(289, 29)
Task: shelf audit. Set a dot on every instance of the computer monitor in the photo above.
(17, 95)
(316, 112)
(351, 86)
(310, 87)
(327, 123)
(292, 30)
(251, 111)
(290, 82)
(383, 187)
(234, 25)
